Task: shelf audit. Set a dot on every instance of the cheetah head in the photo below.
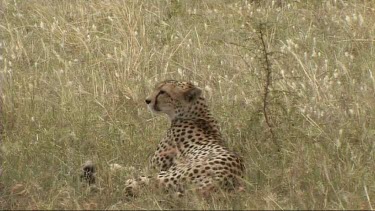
(171, 97)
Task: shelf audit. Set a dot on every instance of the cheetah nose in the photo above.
(148, 101)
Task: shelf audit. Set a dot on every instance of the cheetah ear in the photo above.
(192, 94)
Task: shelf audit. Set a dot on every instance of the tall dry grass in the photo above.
(74, 75)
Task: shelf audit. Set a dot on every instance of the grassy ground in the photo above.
(74, 75)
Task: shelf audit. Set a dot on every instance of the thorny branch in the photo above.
(268, 69)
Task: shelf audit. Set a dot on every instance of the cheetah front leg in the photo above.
(164, 159)
(133, 186)
(167, 180)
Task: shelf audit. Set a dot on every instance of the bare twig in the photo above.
(268, 81)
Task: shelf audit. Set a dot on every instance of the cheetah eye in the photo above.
(161, 92)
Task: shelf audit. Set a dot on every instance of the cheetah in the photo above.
(193, 151)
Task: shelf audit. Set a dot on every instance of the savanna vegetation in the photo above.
(291, 83)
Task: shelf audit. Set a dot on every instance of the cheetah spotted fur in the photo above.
(193, 151)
